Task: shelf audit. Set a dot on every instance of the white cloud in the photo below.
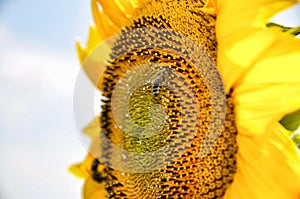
(38, 140)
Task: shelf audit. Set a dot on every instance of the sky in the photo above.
(38, 70)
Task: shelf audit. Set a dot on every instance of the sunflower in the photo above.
(254, 156)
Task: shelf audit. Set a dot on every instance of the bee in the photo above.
(160, 80)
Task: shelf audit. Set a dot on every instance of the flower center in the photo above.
(159, 103)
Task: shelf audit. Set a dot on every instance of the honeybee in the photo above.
(160, 80)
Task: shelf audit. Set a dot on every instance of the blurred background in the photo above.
(38, 69)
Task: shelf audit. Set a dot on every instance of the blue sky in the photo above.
(38, 69)
(54, 23)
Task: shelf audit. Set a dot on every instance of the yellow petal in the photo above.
(243, 36)
(270, 87)
(82, 170)
(93, 129)
(115, 13)
(125, 6)
(75, 169)
(81, 53)
(268, 166)
(104, 25)
(134, 3)
(248, 15)
(94, 40)
(95, 64)
(93, 190)
(235, 58)
(278, 64)
(262, 56)
(257, 105)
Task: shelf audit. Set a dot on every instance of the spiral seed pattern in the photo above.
(156, 99)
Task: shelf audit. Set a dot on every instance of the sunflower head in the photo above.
(188, 109)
